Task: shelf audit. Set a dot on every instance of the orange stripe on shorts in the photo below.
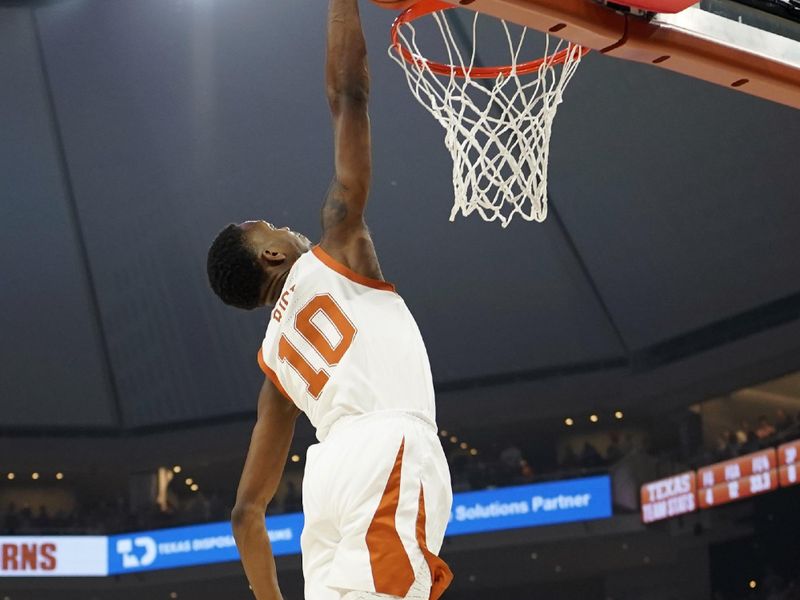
(441, 575)
(392, 571)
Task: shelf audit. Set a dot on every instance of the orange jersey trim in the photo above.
(273, 377)
(441, 575)
(344, 271)
(392, 571)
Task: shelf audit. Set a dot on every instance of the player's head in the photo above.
(248, 263)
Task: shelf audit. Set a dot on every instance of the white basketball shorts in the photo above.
(376, 500)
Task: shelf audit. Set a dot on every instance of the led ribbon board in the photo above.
(194, 545)
(736, 479)
(531, 505)
(669, 497)
(789, 463)
(472, 512)
(54, 556)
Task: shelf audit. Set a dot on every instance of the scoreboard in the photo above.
(669, 497)
(736, 479)
(789, 463)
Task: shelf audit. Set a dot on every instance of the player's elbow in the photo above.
(243, 515)
(348, 96)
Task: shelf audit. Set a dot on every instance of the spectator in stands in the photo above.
(732, 446)
(292, 502)
(751, 445)
(26, 520)
(42, 520)
(741, 433)
(526, 472)
(614, 451)
(477, 475)
(765, 429)
(590, 458)
(510, 459)
(784, 420)
(458, 472)
(12, 519)
(569, 460)
(217, 507)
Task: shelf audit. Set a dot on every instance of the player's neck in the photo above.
(275, 287)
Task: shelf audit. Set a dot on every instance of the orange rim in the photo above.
(427, 7)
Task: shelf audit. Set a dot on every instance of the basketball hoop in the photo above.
(498, 135)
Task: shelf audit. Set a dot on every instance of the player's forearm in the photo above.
(255, 550)
(346, 69)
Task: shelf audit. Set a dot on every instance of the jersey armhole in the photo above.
(273, 377)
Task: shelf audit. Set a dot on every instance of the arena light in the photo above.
(11, 476)
(59, 476)
(464, 445)
(189, 481)
(195, 487)
(618, 415)
(295, 458)
(594, 418)
(569, 422)
(443, 433)
(473, 452)
(34, 476)
(176, 469)
(753, 584)
(453, 439)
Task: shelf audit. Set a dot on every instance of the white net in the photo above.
(497, 130)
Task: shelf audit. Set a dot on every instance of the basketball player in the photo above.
(342, 347)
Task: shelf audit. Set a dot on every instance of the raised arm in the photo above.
(263, 469)
(344, 232)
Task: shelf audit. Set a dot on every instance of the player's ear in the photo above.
(271, 257)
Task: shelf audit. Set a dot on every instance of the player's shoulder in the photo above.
(367, 274)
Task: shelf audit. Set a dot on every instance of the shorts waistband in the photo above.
(344, 420)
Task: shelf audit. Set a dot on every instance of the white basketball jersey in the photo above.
(339, 343)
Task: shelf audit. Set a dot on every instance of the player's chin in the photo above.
(304, 241)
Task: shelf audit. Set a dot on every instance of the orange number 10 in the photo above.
(316, 379)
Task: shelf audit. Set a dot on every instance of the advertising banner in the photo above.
(56, 556)
(531, 505)
(472, 512)
(194, 545)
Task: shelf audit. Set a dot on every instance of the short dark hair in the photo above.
(233, 269)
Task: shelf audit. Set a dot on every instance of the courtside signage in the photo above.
(531, 505)
(56, 556)
(195, 545)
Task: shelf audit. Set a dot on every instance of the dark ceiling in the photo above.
(669, 267)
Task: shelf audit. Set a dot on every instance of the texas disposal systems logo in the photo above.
(137, 552)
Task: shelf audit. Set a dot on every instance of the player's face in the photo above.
(263, 235)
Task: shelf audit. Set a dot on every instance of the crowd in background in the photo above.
(505, 464)
(753, 436)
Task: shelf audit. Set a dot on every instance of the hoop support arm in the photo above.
(692, 42)
(709, 47)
